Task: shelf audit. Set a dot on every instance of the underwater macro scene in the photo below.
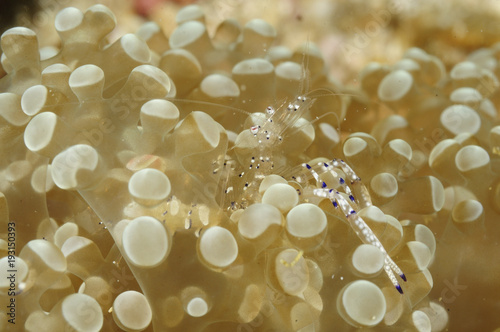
(231, 165)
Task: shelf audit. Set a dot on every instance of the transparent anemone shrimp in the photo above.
(345, 190)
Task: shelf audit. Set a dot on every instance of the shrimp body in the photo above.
(260, 150)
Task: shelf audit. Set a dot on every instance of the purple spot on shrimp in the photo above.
(399, 289)
(351, 197)
(341, 181)
(308, 166)
(323, 185)
(402, 275)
